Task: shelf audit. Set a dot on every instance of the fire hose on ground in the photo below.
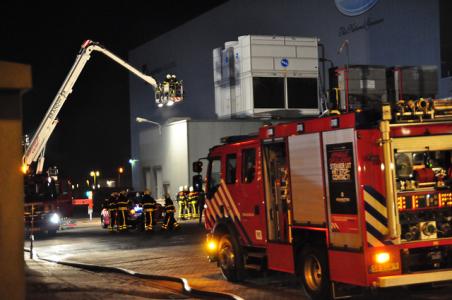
(186, 288)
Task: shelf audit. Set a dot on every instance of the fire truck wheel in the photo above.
(314, 273)
(230, 259)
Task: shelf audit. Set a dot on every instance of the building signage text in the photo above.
(356, 26)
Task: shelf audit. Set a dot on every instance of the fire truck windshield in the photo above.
(214, 174)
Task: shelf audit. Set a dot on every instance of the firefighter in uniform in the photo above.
(148, 203)
(192, 203)
(112, 210)
(123, 204)
(187, 204)
(169, 222)
(181, 199)
(201, 203)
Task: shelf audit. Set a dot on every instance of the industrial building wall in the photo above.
(163, 159)
(166, 159)
(392, 32)
(202, 135)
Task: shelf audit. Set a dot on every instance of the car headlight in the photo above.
(55, 218)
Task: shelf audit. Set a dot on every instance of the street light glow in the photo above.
(94, 174)
(143, 120)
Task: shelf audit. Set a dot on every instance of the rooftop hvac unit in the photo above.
(412, 82)
(358, 87)
(266, 76)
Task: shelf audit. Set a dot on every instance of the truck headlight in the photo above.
(382, 257)
(383, 262)
(212, 245)
(55, 218)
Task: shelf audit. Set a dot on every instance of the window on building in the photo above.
(231, 166)
(248, 165)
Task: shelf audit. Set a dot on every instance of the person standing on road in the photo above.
(201, 203)
(169, 222)
(181, 199)
(112, 210)
(193, 203)
(148, 203)
(123, 204)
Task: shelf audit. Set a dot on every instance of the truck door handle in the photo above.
(256, 209)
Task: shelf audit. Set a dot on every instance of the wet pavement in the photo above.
(175, 253)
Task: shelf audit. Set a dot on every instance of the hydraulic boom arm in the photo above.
(37, 145)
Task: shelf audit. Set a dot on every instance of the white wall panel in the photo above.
(306, 179)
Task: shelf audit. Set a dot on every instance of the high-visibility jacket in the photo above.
(148, 202)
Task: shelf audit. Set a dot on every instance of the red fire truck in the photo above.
(48, 198)
(338, 200)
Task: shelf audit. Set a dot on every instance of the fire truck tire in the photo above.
(314, 273)
(230, 259)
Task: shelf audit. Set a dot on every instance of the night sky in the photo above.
(94, 130)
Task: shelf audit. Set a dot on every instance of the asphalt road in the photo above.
(177, 253)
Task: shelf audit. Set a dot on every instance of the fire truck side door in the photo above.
(250, 194)
(276, 190)
(341, 187)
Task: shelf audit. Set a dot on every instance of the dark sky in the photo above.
(94, 130)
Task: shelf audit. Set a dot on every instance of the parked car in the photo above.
(135, 217)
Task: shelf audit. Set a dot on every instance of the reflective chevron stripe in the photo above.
(218, 207)
(376, 216)
(229, 198)
(216, 211)
(226, 203)
(210, 210)
(207, 218)
(222, 206)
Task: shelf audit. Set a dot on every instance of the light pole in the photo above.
(143, 120)
(94, 174)
(120, 171)
(346, 44)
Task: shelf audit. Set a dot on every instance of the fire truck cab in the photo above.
(336, 199)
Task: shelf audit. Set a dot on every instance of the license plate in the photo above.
(392, 266)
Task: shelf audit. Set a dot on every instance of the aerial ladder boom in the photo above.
(36, 148)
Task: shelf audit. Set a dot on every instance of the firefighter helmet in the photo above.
(147, 192)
